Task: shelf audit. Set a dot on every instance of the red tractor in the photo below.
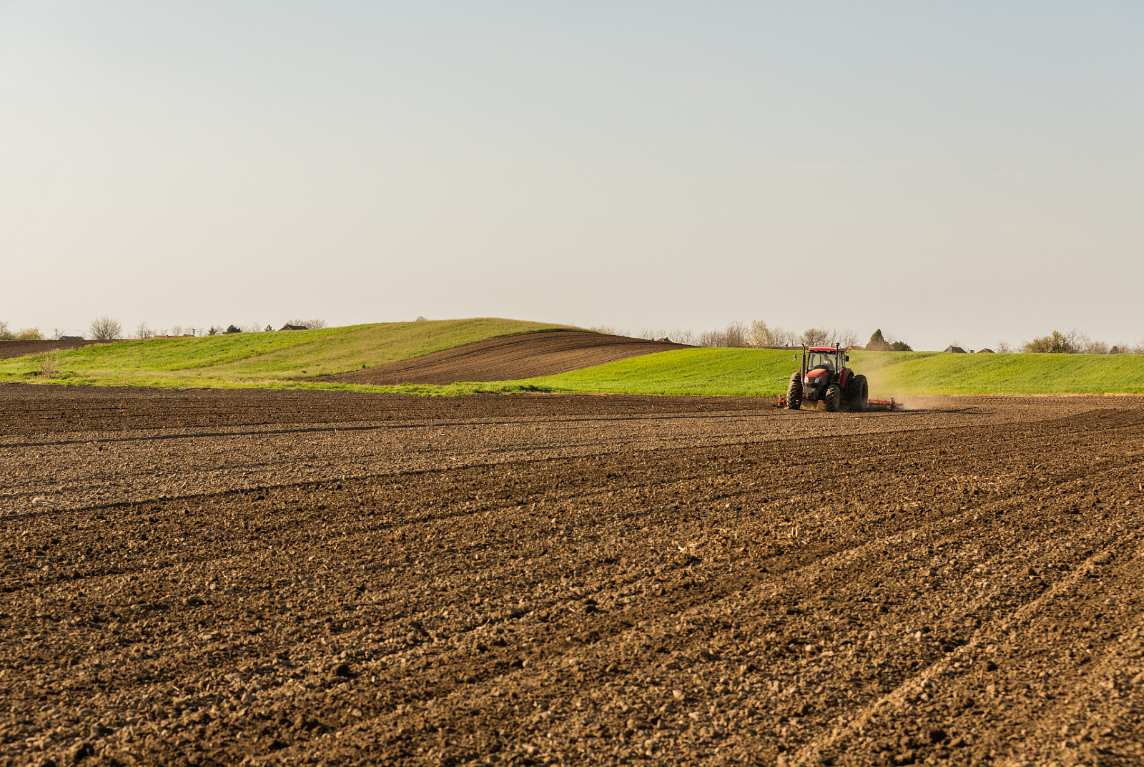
(824, 377)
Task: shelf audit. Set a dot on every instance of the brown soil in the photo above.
(310, 577)
(509, 358)
(10, 349)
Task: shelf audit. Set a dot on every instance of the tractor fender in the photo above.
(844, 378)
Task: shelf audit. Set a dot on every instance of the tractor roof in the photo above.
(830, 349)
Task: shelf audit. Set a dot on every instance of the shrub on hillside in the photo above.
(1073, 342)
(878, 342)
(233, 329)
(881, 343)
(1057, 343)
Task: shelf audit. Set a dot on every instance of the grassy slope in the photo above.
(282, 359)
(287, 360)
(766, 372)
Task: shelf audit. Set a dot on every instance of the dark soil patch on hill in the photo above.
(508, 358)
(9, 349)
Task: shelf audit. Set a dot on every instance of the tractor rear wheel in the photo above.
(794, 393)
(833, 398)
(859, 394)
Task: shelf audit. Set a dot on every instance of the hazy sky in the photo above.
(955, 171)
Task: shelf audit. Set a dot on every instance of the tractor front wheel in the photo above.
(859, 394)
(833, 398)
(794, 393)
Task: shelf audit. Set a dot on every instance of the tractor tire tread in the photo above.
(794, 392)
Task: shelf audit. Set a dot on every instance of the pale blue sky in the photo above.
(971, 172)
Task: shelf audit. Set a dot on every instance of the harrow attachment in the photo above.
(888, 405)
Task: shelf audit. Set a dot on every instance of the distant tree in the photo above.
(735, 336)
(1118, 349)
(212, 331)
(682, 337)
(785, 337)
(268, 328)
(878, 343)
(419, 319)
(29, 334)
(233, 329)
(1057, 343)
(1003, 347)
(5, 333)
(760, 335)
(177, 330)
(104, 328)
(1095, 347)
(709, 338)
(846, 337)
(816, 336)
(900, 346)
(142, 331)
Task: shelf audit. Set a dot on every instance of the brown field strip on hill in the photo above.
(9, 349)
(316, 577)
(508, 358)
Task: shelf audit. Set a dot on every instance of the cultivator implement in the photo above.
(888, 405)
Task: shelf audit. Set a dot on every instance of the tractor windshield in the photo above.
(821, 360)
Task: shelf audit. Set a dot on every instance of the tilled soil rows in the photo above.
(9, 349)
(509, 358)
(208, 578)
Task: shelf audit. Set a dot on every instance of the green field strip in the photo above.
(753, 372)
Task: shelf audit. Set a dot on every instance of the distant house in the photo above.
(955, 350)
(986, 351)
(71, 338)
(293, 327)
(664, 340)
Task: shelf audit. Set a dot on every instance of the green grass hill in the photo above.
(274, 359)
(750, 372)
(293, 359)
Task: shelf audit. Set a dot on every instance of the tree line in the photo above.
(759, 334)
(1076, 342)
(105, 328)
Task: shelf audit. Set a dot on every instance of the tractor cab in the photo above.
(822, 360)
(822, 365)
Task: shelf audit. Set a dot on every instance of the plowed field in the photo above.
(311, 577)
(508, 358)
(9, 349)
